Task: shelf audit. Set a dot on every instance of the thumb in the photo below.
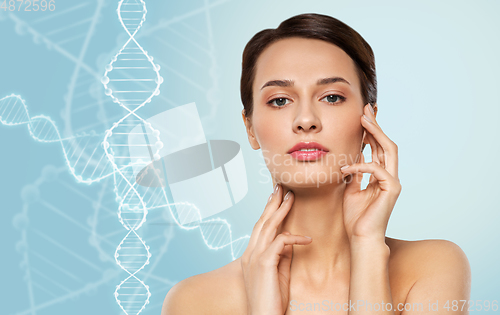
(286, 258)
(354, 180)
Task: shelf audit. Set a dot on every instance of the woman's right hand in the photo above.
(267, 258)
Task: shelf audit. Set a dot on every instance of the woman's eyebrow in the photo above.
(289, 83)
(285, 83)
(332, 80)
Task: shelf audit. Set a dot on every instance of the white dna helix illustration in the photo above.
(131, 79)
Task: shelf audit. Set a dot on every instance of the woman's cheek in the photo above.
(269, 134)
(353, 138)
(345, 139)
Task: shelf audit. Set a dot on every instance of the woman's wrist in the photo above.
(361, 246)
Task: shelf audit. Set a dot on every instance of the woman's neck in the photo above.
(317, 212)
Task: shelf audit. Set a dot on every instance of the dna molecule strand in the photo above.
(131, 79)
(132, 253)
(83, 152)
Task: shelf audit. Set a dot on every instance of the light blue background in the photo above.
(437, 68)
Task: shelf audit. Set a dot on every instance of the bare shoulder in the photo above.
(220, 291)
(430, 263)
(423, 254)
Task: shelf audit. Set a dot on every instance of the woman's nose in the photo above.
(306, 119)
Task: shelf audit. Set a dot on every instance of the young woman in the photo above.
(308, 88)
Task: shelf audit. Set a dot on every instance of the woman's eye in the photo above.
(332, 98)
(279, 102)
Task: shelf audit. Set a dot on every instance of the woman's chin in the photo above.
(309, 179)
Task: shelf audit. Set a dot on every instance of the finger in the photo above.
(272, 254)
(286, 258)
(353, 180)
(371, 115)
(374, 147)
(272, 205)
(386, 181)
(380, 151)
(379, 154)
(270, 227)
(389, 148)
(273, 202)
(377, 151)
(359, 176)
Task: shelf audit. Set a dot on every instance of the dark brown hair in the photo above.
(315, 26)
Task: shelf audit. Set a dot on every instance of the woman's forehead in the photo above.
(304, 61)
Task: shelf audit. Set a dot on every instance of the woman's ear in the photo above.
(364, 140)
(375, 109)
(250, 132)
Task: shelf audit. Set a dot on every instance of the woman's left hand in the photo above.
(367, 212)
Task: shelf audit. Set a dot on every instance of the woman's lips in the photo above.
(307, 145)
(308, 155)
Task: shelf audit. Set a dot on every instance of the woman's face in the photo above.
(306, 90)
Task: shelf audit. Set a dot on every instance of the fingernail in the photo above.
(288, 194)
(270, 197)
(371, 109)
(275, 189)
(366, 117)
(307, 236)
(344, 167)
